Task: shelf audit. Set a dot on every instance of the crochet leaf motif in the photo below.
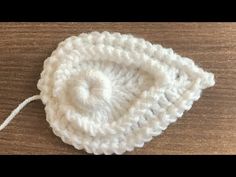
(108, 93)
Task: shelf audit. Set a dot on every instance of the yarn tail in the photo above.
(17, 110)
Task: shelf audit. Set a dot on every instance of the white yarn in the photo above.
(17, 110)
(108, 93)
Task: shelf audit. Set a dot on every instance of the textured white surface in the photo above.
(108, 93)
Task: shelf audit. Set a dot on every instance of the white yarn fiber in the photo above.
(109, 93)
(17, 110)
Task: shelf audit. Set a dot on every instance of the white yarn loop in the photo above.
(17, 110)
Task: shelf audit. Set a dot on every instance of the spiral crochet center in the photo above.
(91, 89)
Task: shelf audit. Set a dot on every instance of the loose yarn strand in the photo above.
(17, 110)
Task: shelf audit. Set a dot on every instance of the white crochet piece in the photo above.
(109, 93)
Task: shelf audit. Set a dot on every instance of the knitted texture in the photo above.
(108, 93)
